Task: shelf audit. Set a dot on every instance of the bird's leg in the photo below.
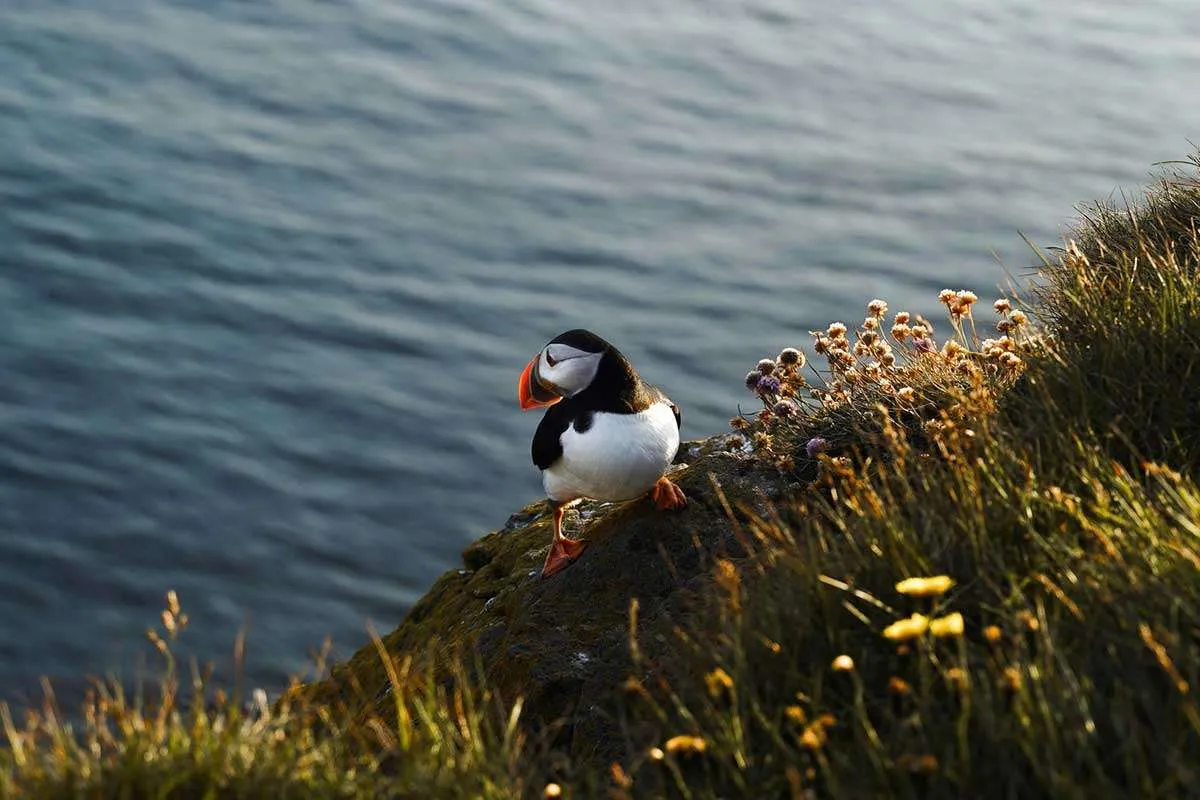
(563, 551)
(667, 495)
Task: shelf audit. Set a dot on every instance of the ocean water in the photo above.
(269, 270)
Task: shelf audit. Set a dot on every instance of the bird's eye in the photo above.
(550, 360)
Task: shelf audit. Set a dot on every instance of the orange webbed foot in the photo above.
(563, 550)
(667, 495)
(561, 554)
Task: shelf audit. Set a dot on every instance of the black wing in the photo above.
(547, 441)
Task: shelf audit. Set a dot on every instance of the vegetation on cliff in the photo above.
(951, 565)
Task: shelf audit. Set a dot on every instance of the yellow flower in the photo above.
(686, 744)
(812, 738)
(905, 629)
(843, 663)
(718, 681)
(950, 625)
(925, 587)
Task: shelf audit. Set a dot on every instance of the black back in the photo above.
(616, 389)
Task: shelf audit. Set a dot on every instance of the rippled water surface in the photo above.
(269, 270)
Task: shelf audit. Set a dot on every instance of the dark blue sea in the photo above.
(269, 268)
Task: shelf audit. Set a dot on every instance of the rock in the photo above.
(562, 643)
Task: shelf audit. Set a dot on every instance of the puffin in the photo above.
(606, 434)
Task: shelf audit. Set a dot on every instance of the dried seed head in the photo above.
(1019, 317)
(947, 296)
(870, 324)
(786, 408)
(766, 366)
(752, 379)
(966, 298)
(791, 356)
(900, 331)
(1002, 306)
(902, 317)
(837, 330)
(877, 307)
(907, 394)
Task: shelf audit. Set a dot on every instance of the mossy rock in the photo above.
(562, 643)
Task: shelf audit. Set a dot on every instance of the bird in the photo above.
(606, 434)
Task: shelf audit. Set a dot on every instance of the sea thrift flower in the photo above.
(766, 366)
(752, 379)
(790, 355)
(1006, 326)
(967, 299)
(907, 394)
(767, 384)
(1019, 317)
(905, 629)
(1011, 360)
(1002, 306)
(947, 296)
(836, 330)
(947, 626)
(870, 324)
(843, 663)
(902, 317)
(877, 307)
(900, 331)
(952, 349)
(815, 445)
(925, 587)
(785, 408)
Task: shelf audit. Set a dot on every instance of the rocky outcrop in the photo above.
(562, 643)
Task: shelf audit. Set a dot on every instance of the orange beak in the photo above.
(530, 389)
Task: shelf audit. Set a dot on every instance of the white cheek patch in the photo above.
(562, 352)
(572, 370)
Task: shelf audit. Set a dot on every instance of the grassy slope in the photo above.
(1058, 490)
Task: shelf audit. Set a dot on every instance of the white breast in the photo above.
(618, 458)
